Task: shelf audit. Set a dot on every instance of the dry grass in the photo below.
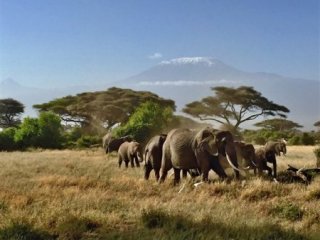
(80, 194)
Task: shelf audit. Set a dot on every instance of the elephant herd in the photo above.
(195, 152)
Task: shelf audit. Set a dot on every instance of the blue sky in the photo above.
(72, 42)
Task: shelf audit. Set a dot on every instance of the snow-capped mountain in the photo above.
(190, 78)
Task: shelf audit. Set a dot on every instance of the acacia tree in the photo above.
(10, 112)
(278, 124)
(233, 106)
(103, 109)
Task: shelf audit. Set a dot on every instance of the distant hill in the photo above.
(190, 78)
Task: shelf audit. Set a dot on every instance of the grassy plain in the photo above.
(83, 195)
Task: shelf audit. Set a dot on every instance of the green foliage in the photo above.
(43, 132)
(22, 231)
(10, 112)
(288, 211)
(96, 110)
(87, 141)
(234, 106)
(149, 118)
(28, 133)
(307, 139)
(278, 124)
(7, 142)
(317, 152)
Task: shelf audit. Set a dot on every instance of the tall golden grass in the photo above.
(82, 194)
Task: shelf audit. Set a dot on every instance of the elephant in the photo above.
(110, 143)
(277, 147)
(245, 156)
(153, 155)
(130, 152)
(189, 149)
(264, 156)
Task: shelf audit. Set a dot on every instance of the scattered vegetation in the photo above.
(78, 194)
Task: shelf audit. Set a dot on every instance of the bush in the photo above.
(288, 211)
(307, 139)
(7, 142)
(43, 132)
(295, 140)
(87, 141)
(148, 119)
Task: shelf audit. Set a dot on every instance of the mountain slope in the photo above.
(188, 79)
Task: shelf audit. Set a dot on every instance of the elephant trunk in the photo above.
(232, 158)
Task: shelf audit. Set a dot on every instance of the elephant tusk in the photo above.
(253, 163)
(246, 168)
(231, 164)
(197, 184)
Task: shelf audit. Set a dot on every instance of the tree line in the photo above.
(81, 120)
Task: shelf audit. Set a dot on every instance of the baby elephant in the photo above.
(153, 155)
(263, 157)
(129, 152)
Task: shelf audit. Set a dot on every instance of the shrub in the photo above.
(7, 142)
(295, 140)
(44, 132)
(307, 139)
(87, 141)
(288, 211)
(148, 119)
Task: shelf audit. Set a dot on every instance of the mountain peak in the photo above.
(190, 60)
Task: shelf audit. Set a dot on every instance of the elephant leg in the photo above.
(131, 161)
(156, 173)
(147, 170)
(274, 169)
(164, 173)
(137, 161)
(176, 176)
(217, 168)
(184, 173)
(119, 161)
(127, 163)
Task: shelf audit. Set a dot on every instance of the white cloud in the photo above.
(155, 56)
(186, 83)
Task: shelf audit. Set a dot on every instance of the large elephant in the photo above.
(264, 156)
(245, 156)
(153, 155)
(110, 143)
(130, 152)
(276, 147)
(186, 149)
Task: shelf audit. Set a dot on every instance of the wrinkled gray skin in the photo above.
(277, 147)
(110, 143)
(186, 149)
(130, 152)
(153, 155)
(264, 156)
(245, 156)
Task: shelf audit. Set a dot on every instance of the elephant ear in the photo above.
(204, 146)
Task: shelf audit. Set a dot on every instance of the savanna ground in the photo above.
(83, 195)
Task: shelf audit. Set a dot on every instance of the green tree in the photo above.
(96, 111)
(44, 132)
(10, 112)
(148, 119)
(233, 106)
(278, 124)
(7, 142)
